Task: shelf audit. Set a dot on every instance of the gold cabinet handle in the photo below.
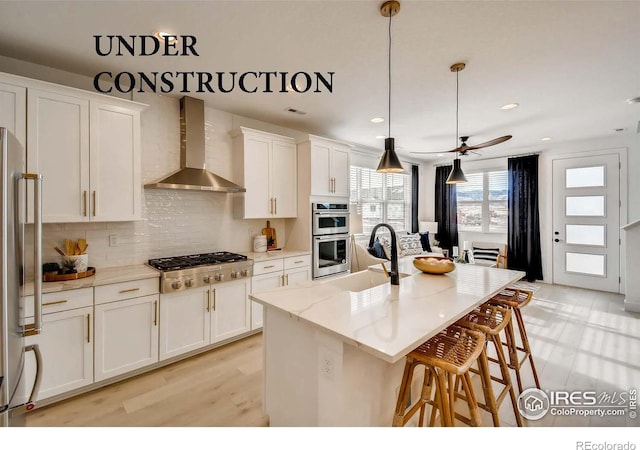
(84, 203)
(94, 203)
(208, 301)
(214, 299)
(129, 290)
(287, 278)
(275, 202)
(269, 267)
(298, 262)
(88, 328)
(155, 313)
(271, 205)
(281, 280)
(59, 302)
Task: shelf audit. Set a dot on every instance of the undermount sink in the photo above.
(361, 281)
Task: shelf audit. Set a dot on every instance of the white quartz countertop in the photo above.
(108, 275)
(390, 321)
(275, 255)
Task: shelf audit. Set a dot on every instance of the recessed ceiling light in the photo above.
(547, 138)
(377, 120)
(633, 100)
(166, 35)
(381, 137)
(509, 106)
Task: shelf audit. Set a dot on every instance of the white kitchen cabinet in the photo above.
(329, 167)
(13, 110)
(66, 345)
(185, 321)
(126, 336)
(230, 312)
(195, 318)
(267, 167)
(58, 148)
(86, 146)
(115, 161)
(66, 342)
(274, 273)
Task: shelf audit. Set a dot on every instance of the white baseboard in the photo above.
(631, 306)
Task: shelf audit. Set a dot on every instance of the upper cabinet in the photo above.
(13, 110)
(329, 167)
(266, 166)
(86, 146)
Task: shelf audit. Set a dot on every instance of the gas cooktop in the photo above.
(203, 269)
(190, 261)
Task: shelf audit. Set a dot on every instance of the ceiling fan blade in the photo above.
(495, 141)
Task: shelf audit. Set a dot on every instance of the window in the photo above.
(381, 197)
(482, 202)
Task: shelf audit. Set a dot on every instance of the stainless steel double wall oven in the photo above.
(330, 238)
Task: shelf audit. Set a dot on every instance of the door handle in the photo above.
(36, 383)
(88, 328)
(94, 203)
(275, 203)
(36, 327)
(84, 203)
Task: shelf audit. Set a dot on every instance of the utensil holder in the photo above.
(78, 262)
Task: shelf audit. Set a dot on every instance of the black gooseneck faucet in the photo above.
(395, 276)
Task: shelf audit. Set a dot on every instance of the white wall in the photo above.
(630, 141)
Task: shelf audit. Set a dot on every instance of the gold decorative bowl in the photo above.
(434, 264)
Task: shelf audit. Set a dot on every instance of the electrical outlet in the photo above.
(113, 240)
(327, 367)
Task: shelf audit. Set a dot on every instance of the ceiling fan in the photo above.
(464, 148)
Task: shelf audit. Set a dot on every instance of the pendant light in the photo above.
(389, 163)
(456, 175)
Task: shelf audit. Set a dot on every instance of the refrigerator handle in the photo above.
(36, 383)
(36, 326)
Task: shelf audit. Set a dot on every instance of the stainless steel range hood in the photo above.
(192, 174)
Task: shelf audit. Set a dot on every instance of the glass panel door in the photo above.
(586, 216)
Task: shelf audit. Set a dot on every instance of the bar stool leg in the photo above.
(487, 388)
(427, 388)
(403, 393)
(504, 370)
(512, 345)
(474, 413)
(445, 411)
(527, 347)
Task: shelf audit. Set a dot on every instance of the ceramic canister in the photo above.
(260, 243)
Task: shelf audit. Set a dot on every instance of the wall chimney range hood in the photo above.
(192, 175)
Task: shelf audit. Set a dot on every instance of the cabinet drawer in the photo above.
(294, 262)
(268, 266)
(129, 289)
(61, 301)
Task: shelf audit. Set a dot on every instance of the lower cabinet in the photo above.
(199, 317)
(126, 336)
(66, 345)
(287, 272)
(261, 283)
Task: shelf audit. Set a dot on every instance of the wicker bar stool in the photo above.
(516, 299)
(446, 358)
(492, 320)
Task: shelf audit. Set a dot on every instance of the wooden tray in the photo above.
(69, 276)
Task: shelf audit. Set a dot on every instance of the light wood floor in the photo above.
(581, 340)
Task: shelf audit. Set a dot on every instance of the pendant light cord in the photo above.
(389, 90)
(457, 99)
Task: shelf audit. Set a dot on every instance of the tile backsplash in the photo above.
(174, 222)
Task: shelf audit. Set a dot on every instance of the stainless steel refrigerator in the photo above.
(15, 398)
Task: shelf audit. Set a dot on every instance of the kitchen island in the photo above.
(334, 350)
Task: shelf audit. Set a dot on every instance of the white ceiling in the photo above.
(570, 65)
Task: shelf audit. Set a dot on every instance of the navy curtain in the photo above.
(414, 199)
(523, 229)
(446, 213)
